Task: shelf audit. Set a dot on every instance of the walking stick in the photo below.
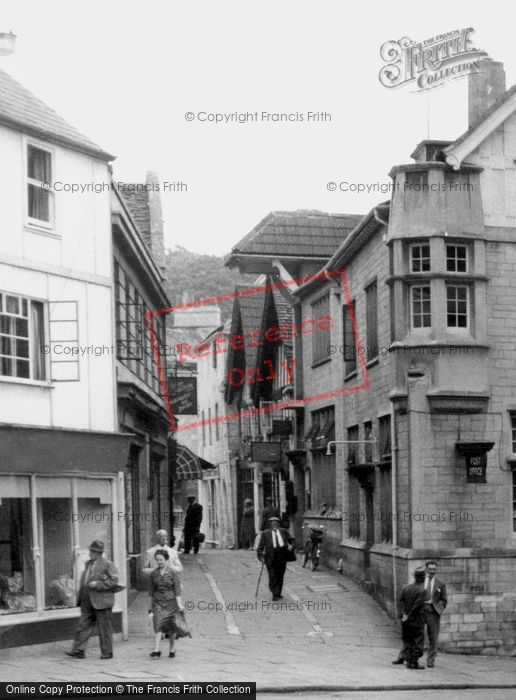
(259, 579)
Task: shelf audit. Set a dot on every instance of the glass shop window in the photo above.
(17, 577)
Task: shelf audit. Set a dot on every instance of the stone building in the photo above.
(424, 327)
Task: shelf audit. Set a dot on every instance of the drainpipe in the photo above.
(394, 506)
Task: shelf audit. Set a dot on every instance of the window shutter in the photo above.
(64, 337)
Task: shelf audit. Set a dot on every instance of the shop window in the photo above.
(371, 293)
(132, 500)
(22, 334)
(420, 306)
(321, 339)
(456, 258)
(66, 520)
(39, 197)
(457, 306)
(17, 576)
(420, 257)
(349, 342)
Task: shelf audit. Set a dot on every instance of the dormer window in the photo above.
(420, 257)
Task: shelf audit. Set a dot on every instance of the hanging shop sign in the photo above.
(265, 451)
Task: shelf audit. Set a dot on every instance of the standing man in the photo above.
(269, 511)
(173, 558)
(193, 520)
(274, 546)
(434, 608)
(413, 598)
(99, 582)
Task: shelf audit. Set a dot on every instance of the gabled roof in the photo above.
(495, 115)
(302, 233)
(21, 110)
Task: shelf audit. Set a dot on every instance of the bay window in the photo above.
(457, 311)
(420, 306)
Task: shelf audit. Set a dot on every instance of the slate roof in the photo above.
(137, 201)
(304, 232)
(23, 111)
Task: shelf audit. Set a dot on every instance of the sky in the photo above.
(126, 74)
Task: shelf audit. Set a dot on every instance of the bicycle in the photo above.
(312, 549)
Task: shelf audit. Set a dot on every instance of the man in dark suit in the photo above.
(434, 608)
(273, 548)
(99, 581)
(413, 598)
(193, 520)
(269, 511)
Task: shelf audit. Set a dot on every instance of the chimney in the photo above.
(484, 88)
(156, 223)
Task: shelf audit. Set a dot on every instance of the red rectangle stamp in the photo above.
(222, 343)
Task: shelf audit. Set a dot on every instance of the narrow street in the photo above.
(329, 635)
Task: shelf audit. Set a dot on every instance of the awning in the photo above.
(45, 450)
(189, 465)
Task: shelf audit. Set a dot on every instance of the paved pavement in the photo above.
(326, 634)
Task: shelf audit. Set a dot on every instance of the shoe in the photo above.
(416, 667)
(76, 654)
(155, 654)
(106, 656)
(398, 661)
(275, 597)
(171, 654)
(429, 664)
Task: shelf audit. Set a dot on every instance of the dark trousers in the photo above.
(413, 637)
(89, 618)
(191, 539)
(276, 570)
(433, 625)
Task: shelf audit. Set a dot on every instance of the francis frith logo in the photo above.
(429, 63)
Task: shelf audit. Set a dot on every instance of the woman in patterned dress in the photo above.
(165, 602)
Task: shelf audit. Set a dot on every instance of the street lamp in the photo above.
(7, 43)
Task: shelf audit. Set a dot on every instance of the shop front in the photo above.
(59, 491)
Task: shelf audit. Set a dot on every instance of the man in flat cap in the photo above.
(275, 543)
(412, 600)
(99, 582)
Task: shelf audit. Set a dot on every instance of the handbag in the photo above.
(291, 555)
(182, 629)
(200, 537)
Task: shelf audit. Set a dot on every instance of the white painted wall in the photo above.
(72, 262)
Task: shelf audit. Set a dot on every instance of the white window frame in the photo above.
(458, 329)
(32, 223)
(457, 245)
(411, 306)
(46, 340)
(420, 259)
